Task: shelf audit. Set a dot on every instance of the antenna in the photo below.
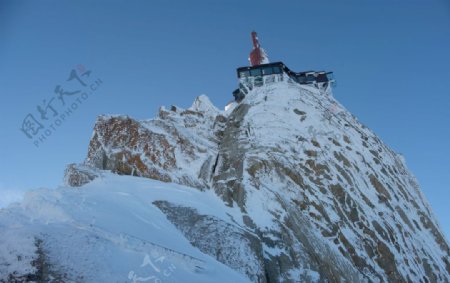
(257, 56)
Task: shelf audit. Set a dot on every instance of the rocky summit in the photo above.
(322, 198)
(284, 186)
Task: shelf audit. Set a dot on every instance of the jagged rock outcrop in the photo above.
(170, 148)
(322, 198)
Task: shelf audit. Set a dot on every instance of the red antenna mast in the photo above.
(257, 56)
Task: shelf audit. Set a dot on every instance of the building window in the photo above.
(321, 78)
(255, 72)
(310, 79)
(267, 71)
(276, 70)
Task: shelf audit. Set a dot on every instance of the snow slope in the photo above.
(108, 231)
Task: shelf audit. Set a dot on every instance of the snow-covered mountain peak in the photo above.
(284, 186)
(204, 105)
(294, 153)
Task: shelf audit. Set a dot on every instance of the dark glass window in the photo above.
(255, 72)
(310, 79)
(321, 78)
(276, 70)
(267, 71)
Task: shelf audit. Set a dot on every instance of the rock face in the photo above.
(323, 199)
(79, 175)
(171, 148)
(228, 243)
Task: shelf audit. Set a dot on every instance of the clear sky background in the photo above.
(391, 60)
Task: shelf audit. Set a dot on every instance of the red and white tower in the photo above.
(258, 55)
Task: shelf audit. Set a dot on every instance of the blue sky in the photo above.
(391, 60)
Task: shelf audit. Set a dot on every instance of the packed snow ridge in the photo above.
(284, 186)
(109, 230)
